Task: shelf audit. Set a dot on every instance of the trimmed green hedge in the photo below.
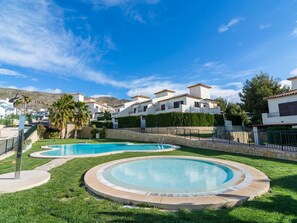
(129, 122)
(236, 119)
(102, 124)
(183, 119)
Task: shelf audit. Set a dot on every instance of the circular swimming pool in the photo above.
(93, 149)
(175, 182)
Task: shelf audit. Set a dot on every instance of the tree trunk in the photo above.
(75, 133)
(25, 108)
(66, 132)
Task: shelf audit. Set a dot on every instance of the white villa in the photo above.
(96, 110)
(165, 101)
(6, 108)
(282, 107)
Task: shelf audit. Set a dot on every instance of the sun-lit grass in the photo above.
(65, 199)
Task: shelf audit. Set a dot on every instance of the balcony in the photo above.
(275, 119)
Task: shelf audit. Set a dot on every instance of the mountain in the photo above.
(44, 100)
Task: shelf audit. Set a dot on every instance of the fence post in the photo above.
(6, 146)
(281, 141)
(198, 134)
(212, 136)
(190, 134)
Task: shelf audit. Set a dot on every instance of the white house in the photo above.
(196, 101)
(95, 109)
(6, 108)
(282, 107)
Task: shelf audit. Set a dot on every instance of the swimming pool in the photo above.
(85, 149)
(176, 182)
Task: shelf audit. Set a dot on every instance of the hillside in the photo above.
(44, 100)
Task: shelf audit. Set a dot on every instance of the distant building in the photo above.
(96, 110)
(6, 108)
(282, 107)
(196, 101)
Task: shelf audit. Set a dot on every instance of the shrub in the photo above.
(236, 119)
(99, 124)
(183, 119)
(41, 130)
(129, 122)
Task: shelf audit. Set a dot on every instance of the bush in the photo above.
(129, 122)
(236, 119)
(41, 130)
(183, 119)
(103, 133)
(99, 124)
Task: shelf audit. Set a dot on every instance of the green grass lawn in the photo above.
(65, 199)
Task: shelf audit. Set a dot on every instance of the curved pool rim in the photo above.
(251, 184)
(50, 147)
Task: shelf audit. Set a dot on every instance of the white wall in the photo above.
(294, 84)
(273, 103)
(165, 93)
(200, 91)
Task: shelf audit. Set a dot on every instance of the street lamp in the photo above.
(20, 141)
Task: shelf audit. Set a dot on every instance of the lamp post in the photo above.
(18, 165)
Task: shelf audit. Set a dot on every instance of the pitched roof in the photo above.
(165, 90)
(292, 78)
(203, 85)
(140, 96)
(179, 96)
(292, 92)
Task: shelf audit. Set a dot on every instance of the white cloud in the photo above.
(286, 83)
(294, 33)
(230, 94)
(114, 3)
(28, 38)
(294, 72)
(32, 88)
(264, 26)
(110, 45)
(8, 72)
(100, 95)
(232, 22)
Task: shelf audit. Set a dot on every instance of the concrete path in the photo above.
(52, 164)
(29, 179)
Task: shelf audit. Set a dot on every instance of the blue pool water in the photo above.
(90, 149)
(168, 175)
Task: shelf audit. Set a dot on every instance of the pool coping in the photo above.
(255, 184)
(39, 153)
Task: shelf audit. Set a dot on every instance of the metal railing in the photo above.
(7, 145)
(281, 140)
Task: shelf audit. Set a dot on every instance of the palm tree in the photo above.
(81, 116)
(61, 112)
(26, 100)
(16, 104)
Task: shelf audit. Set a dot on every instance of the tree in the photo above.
(61, 113)
(235, 109)
(81, 116)
(222, 103)
(16, 104)
(26, 100)
(107, 115)
(255, 90)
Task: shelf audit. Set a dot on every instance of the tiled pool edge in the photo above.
(258, 185)
(39, 154)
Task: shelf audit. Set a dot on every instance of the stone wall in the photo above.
(85, 133)
(177, 140)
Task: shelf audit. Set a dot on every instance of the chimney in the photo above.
(294, 82)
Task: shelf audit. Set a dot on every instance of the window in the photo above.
(163, 107)
(144, 108)
(177, 103)
(134, 110)
(196, 104)
(288, 109)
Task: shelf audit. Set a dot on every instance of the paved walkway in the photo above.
(30, 178)
(52, 164)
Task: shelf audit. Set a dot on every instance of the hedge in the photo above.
(183, 119)
(236, 119)
(129, 122)
(102, 124)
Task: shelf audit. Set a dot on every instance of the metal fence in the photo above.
(282, 140)
(7, 145)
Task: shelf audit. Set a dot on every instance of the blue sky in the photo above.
(127, 47)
